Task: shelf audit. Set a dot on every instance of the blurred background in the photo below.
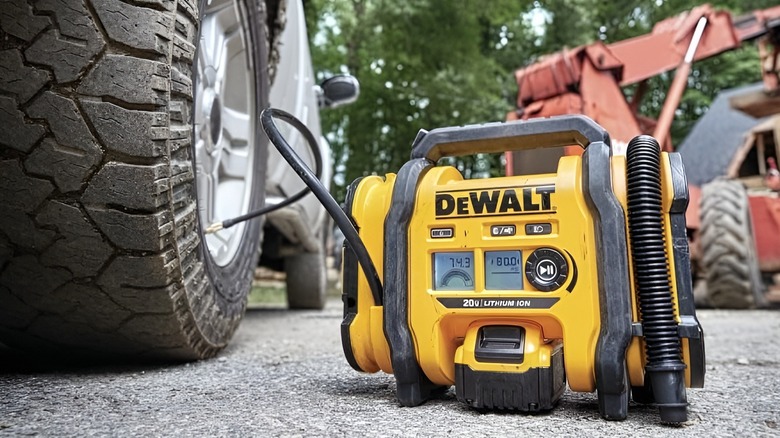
(425, 64)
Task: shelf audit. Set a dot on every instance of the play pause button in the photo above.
(546, 269)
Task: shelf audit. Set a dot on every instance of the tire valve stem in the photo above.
(665, 369)
(213, 228)
(227, 223)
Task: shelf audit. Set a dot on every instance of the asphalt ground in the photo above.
(285, 375)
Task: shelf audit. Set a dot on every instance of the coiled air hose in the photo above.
(313, 184)
(321, 193)
(665, 367)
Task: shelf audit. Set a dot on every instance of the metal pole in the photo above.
(677, 88)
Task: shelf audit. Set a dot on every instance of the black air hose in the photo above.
(665, 367)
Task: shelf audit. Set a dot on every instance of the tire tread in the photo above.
(728, 251)
(109, 100)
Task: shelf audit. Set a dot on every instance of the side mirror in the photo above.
(337, 90)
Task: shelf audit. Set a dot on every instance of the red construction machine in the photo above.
(734, 221)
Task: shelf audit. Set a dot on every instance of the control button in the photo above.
(546, 269)
(441, 233)
(502, 230)
(538, 229)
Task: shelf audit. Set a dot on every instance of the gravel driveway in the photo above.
(284, 375)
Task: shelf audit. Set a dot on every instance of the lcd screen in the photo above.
(503, 270)
(453, 271)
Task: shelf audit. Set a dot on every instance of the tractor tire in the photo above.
(105, 186)
(729, 257)
(307, 280)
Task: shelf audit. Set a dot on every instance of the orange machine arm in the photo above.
(587, 79)
(630, 60)
(663, 49)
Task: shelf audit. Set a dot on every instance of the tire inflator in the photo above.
(509, 288)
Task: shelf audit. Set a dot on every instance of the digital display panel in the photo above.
(453, 271)
(503, 270)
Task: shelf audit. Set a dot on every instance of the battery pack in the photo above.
(536, 388)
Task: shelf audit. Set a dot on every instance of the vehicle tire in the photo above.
(307, 279)
(728, 250)
(106, 187)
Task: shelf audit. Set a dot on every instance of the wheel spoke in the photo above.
(236, 127)
(207, 191)
(207, 56)
(235, 159)
(235, 163)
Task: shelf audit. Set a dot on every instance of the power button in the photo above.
(546, 269)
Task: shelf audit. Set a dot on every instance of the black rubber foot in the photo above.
(674, 414)
(613, 407)
(410, 394)
(415, 394)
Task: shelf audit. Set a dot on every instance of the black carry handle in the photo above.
(508, 136)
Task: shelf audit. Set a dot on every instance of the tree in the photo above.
(421, 65)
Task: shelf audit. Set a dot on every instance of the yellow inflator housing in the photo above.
(511, 287)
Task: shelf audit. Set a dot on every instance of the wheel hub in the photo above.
(211, 128)
(215, 121)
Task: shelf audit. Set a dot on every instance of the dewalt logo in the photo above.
(497, 201)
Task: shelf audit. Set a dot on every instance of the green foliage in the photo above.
(421, 65)
(568, 25)
(431, 63)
